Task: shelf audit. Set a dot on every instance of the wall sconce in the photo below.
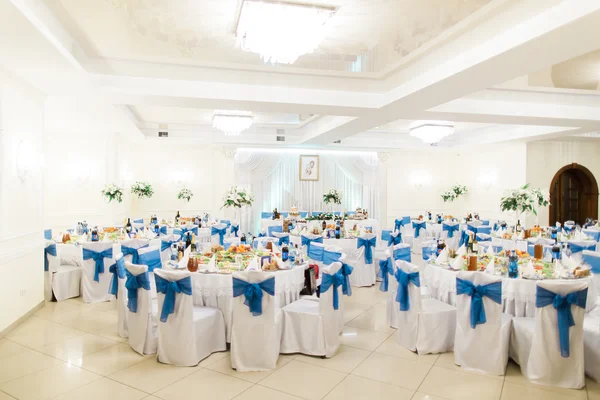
(488, 178)
(25, 160)
(419, 179)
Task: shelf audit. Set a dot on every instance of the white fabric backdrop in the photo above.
(274, 179)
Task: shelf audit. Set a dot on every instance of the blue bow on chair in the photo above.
(234, 229)
(138, 221)
(253, 292)
(569, 228)
(336, 280)
(464, 238)
(130, 251)
(386, 267)
(48, 234)
(316, 253)
(306, 241)
(483, 237)
(183, 230)
(562, 304)
(428, 252)
(593, 262)
(330, 257)
(226, 222)
(493, 291)
(274, 228)
(98, 257)
(385, 235)
(151, 259)
(166, 244)
(118, 271)
(575, 248)
(133, 283)
(450, 229)
(284, 240)
(404, 279)
(368, 244)
(262, 234)
(394, 239)
(402, 253)
(169, 289)
(163, 230)
(398, 224)
(346, 271)
(49, 250)
(418, 226)
(221, 232)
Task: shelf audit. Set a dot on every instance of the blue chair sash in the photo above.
(386, 268)
(284, 240)
(484, 229)
(49, 250)
(368, 244)
(394, 240)
(575, 248)
(450, 229)
(493, 291)
(593, 261)
(133, 252)
(569, 228)
(253, 292)
(166, 244)
(472, 228)
(405, 220)
(397, 224)
(464, 238)
(485, 222)
(262, 234)
(48, 234)
(336, 280)
(118, 271)
(138, 221)
(481, 238)
(427, 252)
(402, 254)
(274, 228)
(562, 304)
(98, 257)
(266, 215)
(404, 279)
(151, 259)
(385, 235)
(163, 230)
(316, 253)
(234, 229)
(306, 241)
(346, 271)
(133, 283)
(418, 226)
(183, 230)
(169, 289)
(331, 256)
(593, 234)
(221, 232)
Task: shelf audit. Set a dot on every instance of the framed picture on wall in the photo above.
(309, 168)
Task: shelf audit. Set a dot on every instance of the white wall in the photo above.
(544, 159)
(503, 164)
(21, 229)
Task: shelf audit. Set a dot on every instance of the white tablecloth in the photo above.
(373, 223)
(518, 295)
(215, 290)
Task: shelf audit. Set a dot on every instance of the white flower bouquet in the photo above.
(454, 193)
(142, 189)
(113, 192)
(524, 200)
(332, 197)
(238, 197)
(185, 194)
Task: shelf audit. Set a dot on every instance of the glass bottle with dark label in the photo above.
(157, 229)
(188, 240)
(243, 238)
(177, 216)
(513, 266)
(285, 253)
(518, 228)
(95, 234)
(128, 226)
(324, 225)
(556, 251)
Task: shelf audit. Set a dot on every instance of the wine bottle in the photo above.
(518, 228)
(475, 245)
(177, 216)
(284, 253)
(128, 226)
(188, 240)
(470, 243)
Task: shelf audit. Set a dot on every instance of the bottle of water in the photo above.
(513, 266)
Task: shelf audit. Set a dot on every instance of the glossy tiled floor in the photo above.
(70, 350)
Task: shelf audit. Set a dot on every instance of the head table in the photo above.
(518, 295)
(373, 223)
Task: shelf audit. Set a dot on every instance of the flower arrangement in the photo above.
(113, 192)
(142, 189)
(525, 199)
(324, 216)
(332, 197)
(454, 193)
(238, 197)
(185, 194)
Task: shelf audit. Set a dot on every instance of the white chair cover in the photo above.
(313, 328)
(142, 324)
(364, 273)
(121, 296)
(215, 239)
(429, 325)
(485, 348)
(53, 262)
(95, 292)
(190, 333)
(167, 240)
(591, 346)
(132, 244)
(540, 359)
(62, 280)
(153, 253)
(255, 340)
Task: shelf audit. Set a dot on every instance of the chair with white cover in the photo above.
(420, 229)
(312, 327)
(142, 323)
(364, 267)
(138, 223)
(591, 345)
(424, 325)
(390, 285)
(401, 252)
(187, 333)
(117, 288)
(95, 279)
(63, 281)
(482, 330)
(309, 238)
(130, 248)
(151, 257)
(166, 247)
(262, 241)
(218, 233)
(282, 238)
(257, 324)
(592, 259)
(555, 357)
(274, 228)
(315, 252)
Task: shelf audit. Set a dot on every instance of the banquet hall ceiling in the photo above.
(364, 35)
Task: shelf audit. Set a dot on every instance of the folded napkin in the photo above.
(462, 250)
(529, 271)
(547, 256)
(253, 265)
(481, 250)
(275, 248)
(490, 250)
(559, 270)
(280, 263)
(458, 263)
(260, 245)
(491, 267)
(443, 257)
(568, 263)
(212, 265)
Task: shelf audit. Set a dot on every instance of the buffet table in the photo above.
(518, 295)
(216, 290)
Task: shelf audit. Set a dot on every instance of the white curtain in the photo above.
(274, 179)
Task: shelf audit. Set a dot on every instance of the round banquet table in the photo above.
(518, 295)
(348, 246)
(216, 290)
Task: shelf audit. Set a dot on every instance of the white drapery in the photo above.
(274, 179)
